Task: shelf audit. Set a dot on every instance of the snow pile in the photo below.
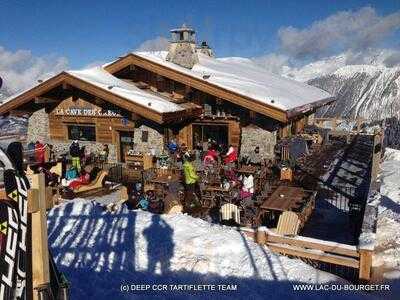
(243, 76)
(98, 251)
(386, 260)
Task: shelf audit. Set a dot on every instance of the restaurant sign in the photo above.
(87, 112)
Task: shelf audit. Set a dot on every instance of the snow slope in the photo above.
(386, 261)
(99, 251)
(243, 76)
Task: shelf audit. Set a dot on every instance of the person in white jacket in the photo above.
(248, 184)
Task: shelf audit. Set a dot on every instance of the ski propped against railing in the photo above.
(14, 229)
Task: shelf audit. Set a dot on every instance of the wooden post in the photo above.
(40, 251)
(376, 157)
(365, 264)
(46, 153)
(261, 236)
(334, 124)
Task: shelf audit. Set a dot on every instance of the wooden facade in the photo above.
(80, 112)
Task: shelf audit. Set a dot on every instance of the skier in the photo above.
(191, 180)
(39, 152)
(75, 153)
(231, 156)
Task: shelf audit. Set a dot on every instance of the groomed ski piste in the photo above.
(102, 254)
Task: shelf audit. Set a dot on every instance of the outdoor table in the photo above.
(161, 183)
(284, 198)
(247, 169)
(222, 193)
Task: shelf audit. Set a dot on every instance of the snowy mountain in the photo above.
(371, 92)
(11, 125)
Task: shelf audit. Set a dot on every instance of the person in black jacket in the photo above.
(75, 152)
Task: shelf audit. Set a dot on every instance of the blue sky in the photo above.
(88, 31)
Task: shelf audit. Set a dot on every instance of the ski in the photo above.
(16, 186)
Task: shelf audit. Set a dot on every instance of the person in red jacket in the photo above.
(83, 179)
(231, 156)
(211, 157)
(39, 152)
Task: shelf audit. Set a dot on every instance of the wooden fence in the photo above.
(332, 253)
(334, 122)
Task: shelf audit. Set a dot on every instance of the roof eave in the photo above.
(294, 112)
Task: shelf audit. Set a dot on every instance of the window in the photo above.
(145, 136)
(85, 132)
(216, 132)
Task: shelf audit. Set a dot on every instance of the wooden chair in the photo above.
(288, 224)
(57, 169)
(230, 211)
(97, 183)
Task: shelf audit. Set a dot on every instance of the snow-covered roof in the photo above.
(101, 78)
(243, 76)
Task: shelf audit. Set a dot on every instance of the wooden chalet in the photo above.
(144, 99)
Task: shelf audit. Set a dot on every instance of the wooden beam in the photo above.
(365, 264)
(40, 251)
(33, 200)
(326, 246)
(316, 255)
(19, 113)
(44, 100)
(66, 86)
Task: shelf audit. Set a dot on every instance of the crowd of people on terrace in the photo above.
(196, 166)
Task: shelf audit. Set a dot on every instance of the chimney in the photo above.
(182, 48)
(205, 49)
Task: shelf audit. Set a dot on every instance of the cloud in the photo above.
(342, 31)
(21, 69)
(393, 59)
(157, 44)
(344, 38)
(274, 62)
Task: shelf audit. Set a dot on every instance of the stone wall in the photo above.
(155, 140)
(38, 127)
(253, 136)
